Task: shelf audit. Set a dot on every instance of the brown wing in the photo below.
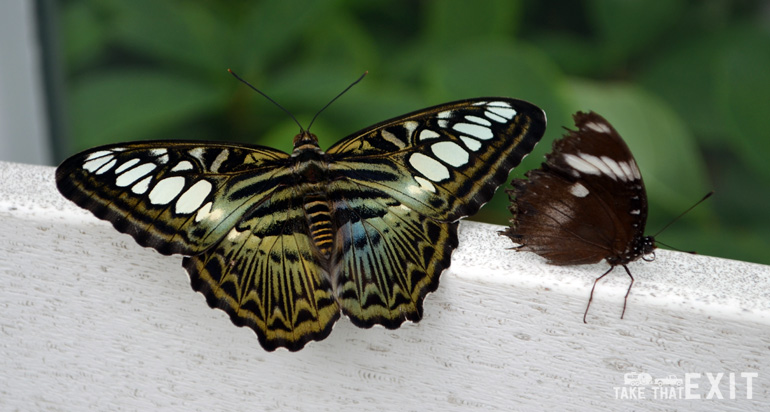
(586, 203)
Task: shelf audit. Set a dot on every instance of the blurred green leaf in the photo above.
(184, 33)
(83, 35)
(686, 76)
(453, 21)
(134, 105)
(745, 95)
(627, 26)
(269, 28)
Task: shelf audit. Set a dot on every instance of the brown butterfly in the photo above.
(586, 203)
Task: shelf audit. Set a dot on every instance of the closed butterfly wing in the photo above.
(413, 178)
(586, 203)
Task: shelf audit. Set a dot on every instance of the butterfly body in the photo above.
(587, 202)
(286, 243)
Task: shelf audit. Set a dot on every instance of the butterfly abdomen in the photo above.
(319, 218)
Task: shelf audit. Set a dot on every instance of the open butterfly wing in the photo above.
(174, 196)
(232, 209)
(266, 274)
(446, 161)
(387, 257)
(240, 213)
(413, 177)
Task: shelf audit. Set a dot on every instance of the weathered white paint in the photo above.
(89, 320)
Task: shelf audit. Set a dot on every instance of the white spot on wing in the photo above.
(428, 134)
(134, 174)
(495, 117)
(97, 162)
(161, 155)
(479, 120)
(205, 213)
(471, 143)
(221, 157)
(598, 164)
(578, 190)
(445, 114)
(193, 197)
(390, 137)
(615, 169)
(477, 131)
(506, 113)
(106, 167)
(410, 126)
(142, 186)
(197, 153)
(166, 190)
(503, 109)
(425, 184)
(598, 127)
(451, 153)
(233, 235)
(99, 153)
(626, 170)
(581, 165)
(183, 165)
(126, 165)
(635, 170)
(635, 212)
(429, 167)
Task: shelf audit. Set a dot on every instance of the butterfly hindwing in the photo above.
(388, 257)
(266, 275)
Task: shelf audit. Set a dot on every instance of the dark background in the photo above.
(686, 83)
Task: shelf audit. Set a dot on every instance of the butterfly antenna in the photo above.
(692, 252)
(268, 98)
(337, 97)
(708, 195)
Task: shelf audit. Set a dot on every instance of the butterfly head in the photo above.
(305, 139)
(648, 248)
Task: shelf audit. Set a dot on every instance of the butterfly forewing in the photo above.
(282, 242)
(445, 161)
(177, 197)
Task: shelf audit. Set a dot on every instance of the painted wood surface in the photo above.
(91, 321)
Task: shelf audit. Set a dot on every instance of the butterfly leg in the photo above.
(625, 300)
(591, 297)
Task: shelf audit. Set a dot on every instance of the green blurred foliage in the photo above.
(686, 83)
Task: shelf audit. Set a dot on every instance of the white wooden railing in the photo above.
(89, 320)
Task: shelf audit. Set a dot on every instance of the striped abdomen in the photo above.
(320, 221)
